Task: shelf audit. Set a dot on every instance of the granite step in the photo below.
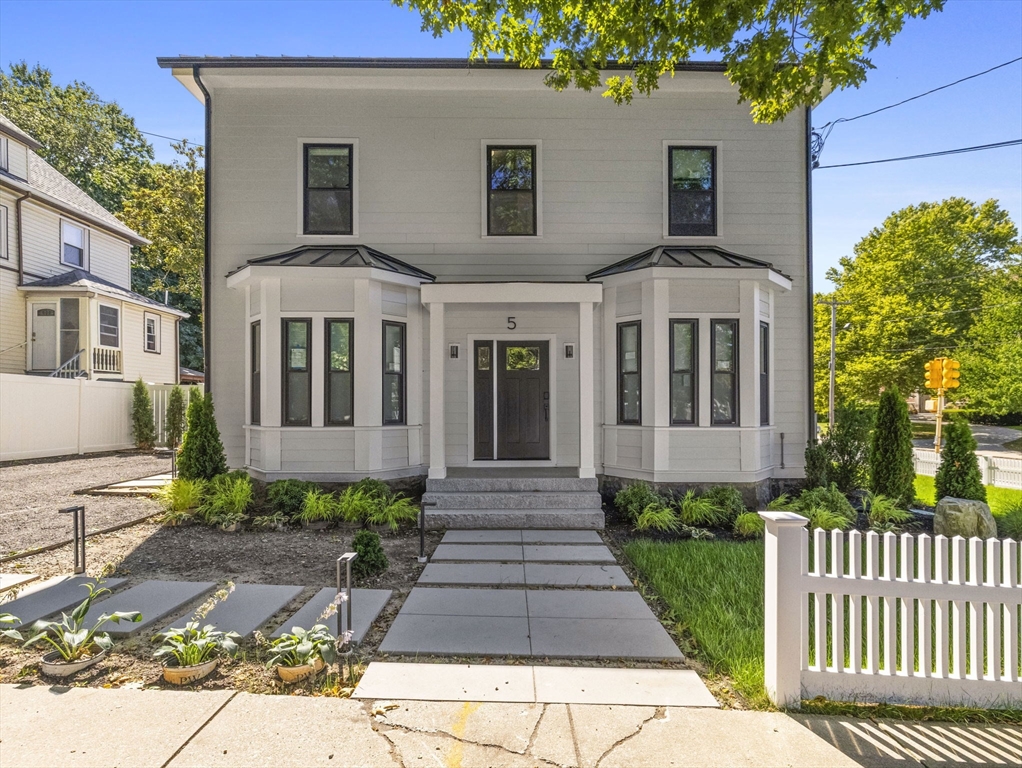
(511, 485)
(484, 518)
(246, 609)
(515, 500)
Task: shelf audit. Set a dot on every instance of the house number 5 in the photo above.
(511, 324)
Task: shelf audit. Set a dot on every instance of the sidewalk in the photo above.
(84, 727)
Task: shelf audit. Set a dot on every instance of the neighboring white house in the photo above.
(427, 267)
(66, 304)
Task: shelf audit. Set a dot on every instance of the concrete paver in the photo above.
(619, 686)
(601, 639)
(587, 604)
(540, 536)
(495, 536)
(260, 730)
(366, 605)
(458, 635)
(567, 553)
(551, 575)
(502, 553)
(474, 574)
(154, 599)
(247, 608)
(508, 726)
(11, 580)
(446, 682)
(454, 601)
(553, 740)
(53, 598)
(97, 728)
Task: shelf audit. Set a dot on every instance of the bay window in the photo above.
(629, 373)
(393, 372)
(684, 350)
(340, 403)
(724, 374)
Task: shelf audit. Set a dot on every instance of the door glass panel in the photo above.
(522, 358)
(482, 358)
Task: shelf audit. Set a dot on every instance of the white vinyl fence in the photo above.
(924, 620)
(42, 416)
(998, 469)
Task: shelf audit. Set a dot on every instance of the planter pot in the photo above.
(232, 528)
(52, 665)
(319, 525)
(188, 675)
(295, 674)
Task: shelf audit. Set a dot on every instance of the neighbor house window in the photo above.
(4, 160)
(328, 189)
(4, 253)
(724, 383)
(393, 373)
(764, 373)
(297, 372)
(511, 190)
(684, 345)
(629, 376)
(74, 244)
(109, 326)
(255, 373)
(152, 333)
(340, 401)
(692, 191)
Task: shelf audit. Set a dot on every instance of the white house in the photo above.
(66, 304)
(444, 269)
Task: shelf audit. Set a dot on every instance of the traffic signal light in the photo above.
(935, 373)
(950, 374)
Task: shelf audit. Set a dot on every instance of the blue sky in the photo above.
(113, 46)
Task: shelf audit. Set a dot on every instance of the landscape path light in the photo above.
(79, 534)
(422, 529)
(345, 639)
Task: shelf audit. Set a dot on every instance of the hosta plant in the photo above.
(70, 638)
(191, 645)
(275, 521)
(300, 647)
(7, 621)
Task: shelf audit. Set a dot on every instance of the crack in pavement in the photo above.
(659, 714)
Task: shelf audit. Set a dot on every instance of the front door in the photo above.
(44, 336)
(523, 399)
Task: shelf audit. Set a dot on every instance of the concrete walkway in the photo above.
(92, 727)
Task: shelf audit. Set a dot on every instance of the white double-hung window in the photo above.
(74, 245)
(152, 333)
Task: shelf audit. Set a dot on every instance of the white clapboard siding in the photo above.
(911, 619)
(996, 469)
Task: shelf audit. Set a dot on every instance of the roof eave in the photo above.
(251, 272)
(20, 136)
(91, 289)
(184, 64)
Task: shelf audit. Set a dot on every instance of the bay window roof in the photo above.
(693, 257)
(337, 256)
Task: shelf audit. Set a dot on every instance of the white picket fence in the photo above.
(42, 416)
(926, 620)
(997, 469)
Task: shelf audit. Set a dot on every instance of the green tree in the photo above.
(958, 474)
(175, 416)
(911, 293)
(202, 452)
(781, 54)
(143, 428)
(847, 447)
(91, 141)
(891, 467)
(167, 209)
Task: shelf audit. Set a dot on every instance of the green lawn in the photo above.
(924, 430)
(998, 498)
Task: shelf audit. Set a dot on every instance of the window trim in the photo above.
(284, 370)
(146, 317)
(537, 186)
(384, 374)
(327, 371)
(255, 369)
(736, 374)
(300, 218)
(765, 363)
(5, 252)
(620, 372)
(85, 244)
(718, 171)
(672, 323)
(99, 324)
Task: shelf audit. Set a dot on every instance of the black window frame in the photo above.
(401, 374)
(350, 188)
(764, 373)
(694, 371)
(714, 189)
(735, 391)
(621, 373)
(255, 372)
(285, 369)
(490, 148)
(329, 372)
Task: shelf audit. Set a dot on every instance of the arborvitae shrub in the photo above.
(175, 417)
(848, 448)
(202, 453)
(891, 468)
(143, 428)
(371, 558)
(958, 474)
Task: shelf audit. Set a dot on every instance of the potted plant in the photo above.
(301, 653)
(74, 647)
(191, 652)
(319, 509)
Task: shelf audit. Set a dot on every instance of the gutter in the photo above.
(810, 324)
(207, 256)
(21, 238)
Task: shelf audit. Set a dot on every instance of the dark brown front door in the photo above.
(523, 399)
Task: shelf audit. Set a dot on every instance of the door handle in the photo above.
(546, 406)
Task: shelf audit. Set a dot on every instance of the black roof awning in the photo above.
(338, 256)
(698, 256)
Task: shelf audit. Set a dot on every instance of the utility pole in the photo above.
(833, 304)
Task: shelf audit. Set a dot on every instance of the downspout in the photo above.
(206, 259)
(21, 237)
(810, 349)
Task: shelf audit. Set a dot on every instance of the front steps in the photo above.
(503, 499)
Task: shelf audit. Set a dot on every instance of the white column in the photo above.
(437, 424)
(659, 365)
(586, 406)
(271, 374)
(415, 385)
(785, 566)
(609, 376)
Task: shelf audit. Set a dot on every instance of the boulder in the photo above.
(963, 517)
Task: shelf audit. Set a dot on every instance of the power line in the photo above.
(958, 151)
(170, 138)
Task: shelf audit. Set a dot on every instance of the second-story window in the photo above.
(511, 190)
(692, 191)
(4, 161)
(74, 245)
(328, 189)
(152, 333)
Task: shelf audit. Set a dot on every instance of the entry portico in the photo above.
(545, 324)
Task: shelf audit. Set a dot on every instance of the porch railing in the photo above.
(71, 368)
(106, 360)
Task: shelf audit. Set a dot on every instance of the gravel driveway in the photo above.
(32, 492)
